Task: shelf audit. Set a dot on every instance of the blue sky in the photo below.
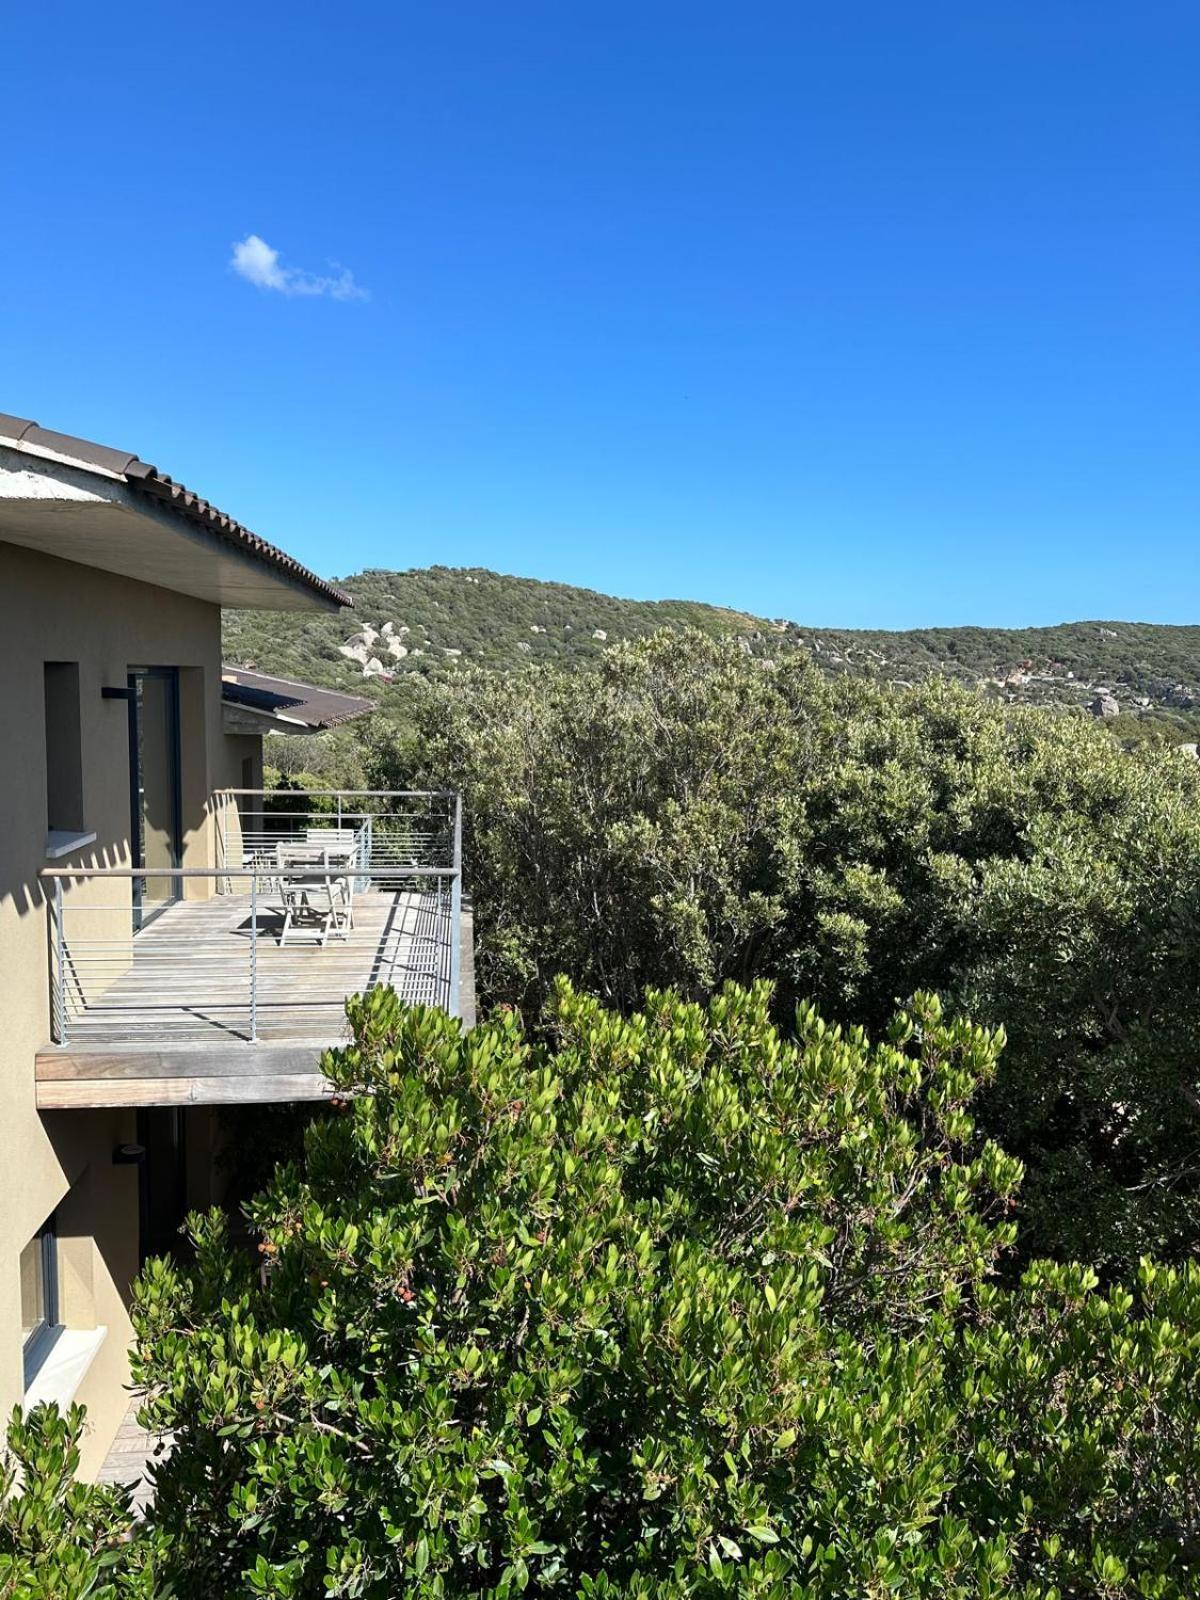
(862, 314)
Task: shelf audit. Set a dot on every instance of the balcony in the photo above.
(237, 977)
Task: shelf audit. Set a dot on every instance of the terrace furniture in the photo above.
(325, 900)
(332, 838)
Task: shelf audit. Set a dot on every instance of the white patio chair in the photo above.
(338, 839)
(324, 902)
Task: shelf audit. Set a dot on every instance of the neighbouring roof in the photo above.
(283, 703)
(154, 488)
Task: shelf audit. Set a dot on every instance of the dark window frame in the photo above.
(135, 676)
(62, 719)
(41, 1338)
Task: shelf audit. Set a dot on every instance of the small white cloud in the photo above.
(254, 260)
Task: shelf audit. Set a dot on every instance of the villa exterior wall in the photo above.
(61, 1162)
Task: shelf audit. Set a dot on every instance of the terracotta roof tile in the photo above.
(294, 702)
(146, 479)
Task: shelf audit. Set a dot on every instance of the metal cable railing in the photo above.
(402, 828)
(267, 944)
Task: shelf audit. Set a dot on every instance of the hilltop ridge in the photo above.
(431, 620)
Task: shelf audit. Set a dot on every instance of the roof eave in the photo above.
(167, 496)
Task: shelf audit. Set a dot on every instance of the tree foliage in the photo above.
(685, 815)
(486, 618)
(61, 1539)
(672, 1305)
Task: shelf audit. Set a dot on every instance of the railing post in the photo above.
(254, 959)
(455, 944)
(456, 915)
(222, 849)
(60, 961)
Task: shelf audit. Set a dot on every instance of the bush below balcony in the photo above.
(673, 1305)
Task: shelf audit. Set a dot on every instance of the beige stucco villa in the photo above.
(174, 942)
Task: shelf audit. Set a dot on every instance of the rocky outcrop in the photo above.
(365, 647)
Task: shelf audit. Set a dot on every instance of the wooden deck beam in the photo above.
(181, 1075)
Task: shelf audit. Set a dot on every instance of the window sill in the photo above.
(62, 842)
(64, 1367)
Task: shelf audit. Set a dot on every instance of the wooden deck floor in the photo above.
(166, 1019)
(130, 1457)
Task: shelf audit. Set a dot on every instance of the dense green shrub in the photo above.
(60, 1539)
(686, 815)
(673, 1305)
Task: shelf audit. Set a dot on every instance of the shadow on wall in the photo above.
(24, 888)
(97, 1218)
(161, 798)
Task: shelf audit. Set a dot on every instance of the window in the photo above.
(64, 752)
(39, 1296)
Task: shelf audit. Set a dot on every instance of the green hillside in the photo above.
(493, 620)
(442, 617)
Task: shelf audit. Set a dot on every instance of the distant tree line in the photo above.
(506, 623)
(683, 815)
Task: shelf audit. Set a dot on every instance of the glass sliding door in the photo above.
(154, 786)
(162, 1182)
